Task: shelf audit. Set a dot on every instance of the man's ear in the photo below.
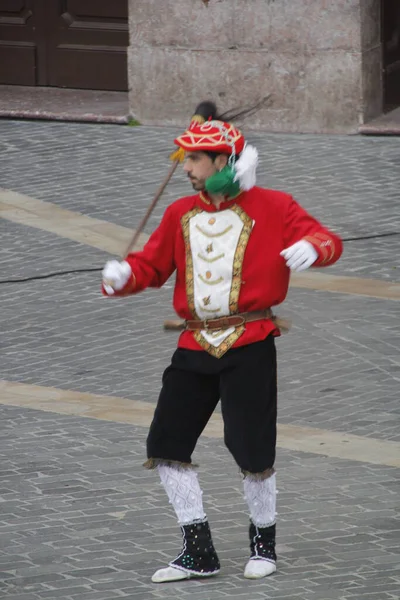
(221, 161)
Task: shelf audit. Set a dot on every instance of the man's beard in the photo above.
(197, 184)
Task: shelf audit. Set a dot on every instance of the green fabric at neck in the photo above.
(222, 183)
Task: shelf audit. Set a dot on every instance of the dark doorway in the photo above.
(391, 53)
(64, 43)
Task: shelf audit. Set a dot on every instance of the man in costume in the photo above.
(232, 245)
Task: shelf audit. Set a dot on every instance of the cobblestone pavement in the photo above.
(111, 173)
(79, 518)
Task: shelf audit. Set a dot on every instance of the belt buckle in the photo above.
(243, 321)
(206, 326)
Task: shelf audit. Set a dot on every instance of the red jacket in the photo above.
(228, 260)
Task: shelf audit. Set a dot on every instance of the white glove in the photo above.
(300, 256)
(116, 275)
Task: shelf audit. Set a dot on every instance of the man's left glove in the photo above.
(115, 276)
(300, 256)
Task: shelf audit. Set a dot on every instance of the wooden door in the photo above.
(64, 43)
(22, 42)
(87, 43)
(391, 53)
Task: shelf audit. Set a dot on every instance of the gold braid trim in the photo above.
(325, 245)
(185, 222)
(214, 235)
(153, 463)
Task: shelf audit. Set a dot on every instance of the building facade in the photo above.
(320, 62)
(312, 65)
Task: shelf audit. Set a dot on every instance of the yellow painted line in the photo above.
(46, 216)
(114, 238)
(134, 412)
(373, 288)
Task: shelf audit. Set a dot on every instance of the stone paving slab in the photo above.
(386, 124)
(81, 519)
(376, 258)
(62, 104)
(47, 216)
(27, 252)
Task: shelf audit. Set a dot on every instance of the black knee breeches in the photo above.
(244, 379)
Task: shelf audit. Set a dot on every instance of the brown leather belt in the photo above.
(221, 323)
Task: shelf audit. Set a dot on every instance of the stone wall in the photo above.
(319, 60)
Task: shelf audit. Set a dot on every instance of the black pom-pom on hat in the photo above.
(207, 110)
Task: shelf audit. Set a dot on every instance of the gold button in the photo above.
(208, 274)
(211, 221)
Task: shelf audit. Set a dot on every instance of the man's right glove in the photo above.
(115, 276)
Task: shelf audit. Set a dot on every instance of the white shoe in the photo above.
(169, 574)
(257, 568)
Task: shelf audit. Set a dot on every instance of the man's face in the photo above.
(199, 167)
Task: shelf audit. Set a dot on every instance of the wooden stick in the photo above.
(146, 217)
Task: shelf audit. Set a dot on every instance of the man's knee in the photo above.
(163, 444)
(252, 457)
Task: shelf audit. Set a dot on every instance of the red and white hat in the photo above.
(222, 138)
(211, 136)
